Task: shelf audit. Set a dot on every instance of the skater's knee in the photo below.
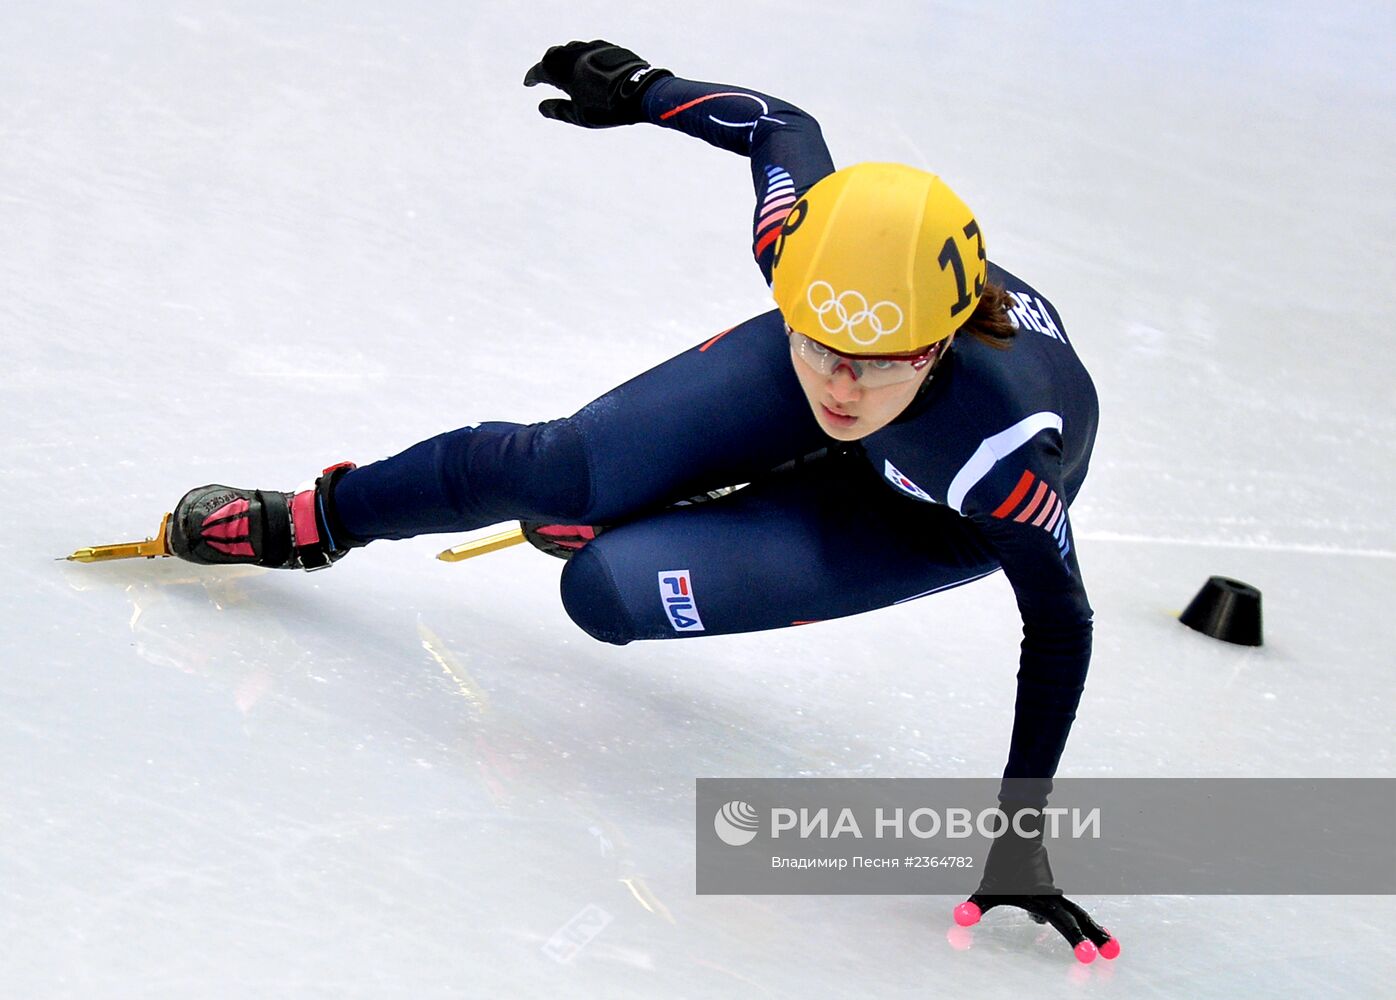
(592, 599)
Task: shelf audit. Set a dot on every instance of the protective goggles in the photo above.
(872, 370)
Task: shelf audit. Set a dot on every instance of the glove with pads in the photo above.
(1017, 873)
(605, 83)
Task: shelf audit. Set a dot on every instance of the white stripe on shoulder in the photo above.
(991, 449)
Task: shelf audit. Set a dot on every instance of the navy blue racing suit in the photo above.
(975, 476)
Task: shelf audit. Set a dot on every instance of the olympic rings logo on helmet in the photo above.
(849, 311)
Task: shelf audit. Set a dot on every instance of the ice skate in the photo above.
(222, 525)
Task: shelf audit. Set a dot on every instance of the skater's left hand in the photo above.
(605, 83)
(1017, 873)
(1086, 937)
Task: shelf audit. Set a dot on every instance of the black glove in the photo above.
(1017, 873)
(605, 83)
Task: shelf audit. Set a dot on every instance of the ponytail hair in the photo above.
(990, 323)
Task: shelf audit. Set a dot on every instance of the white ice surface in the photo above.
(243, 240)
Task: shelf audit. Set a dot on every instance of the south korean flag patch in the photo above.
(897, 478)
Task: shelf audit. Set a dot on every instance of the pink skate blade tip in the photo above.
(1085, 952)
(1110, 949)
(967, 914)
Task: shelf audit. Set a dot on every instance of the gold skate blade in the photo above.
(479, 546)
(151, 548)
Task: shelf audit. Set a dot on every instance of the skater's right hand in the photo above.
(605, 82)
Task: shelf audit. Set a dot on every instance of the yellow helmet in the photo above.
(879, 258)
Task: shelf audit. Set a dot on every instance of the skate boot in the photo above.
(220, 525)
(566, 540)
(561, 540)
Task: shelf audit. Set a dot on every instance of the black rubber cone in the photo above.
(1225, 609)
